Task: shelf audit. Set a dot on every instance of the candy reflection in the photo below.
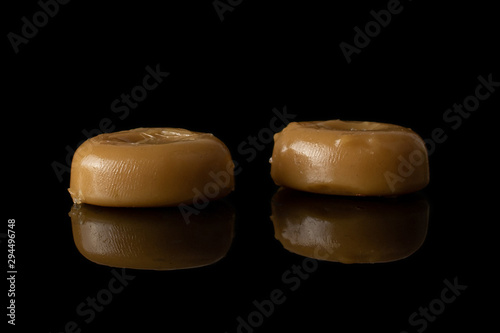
(152, 238)
(349, 229)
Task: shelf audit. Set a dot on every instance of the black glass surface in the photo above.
(81, 69)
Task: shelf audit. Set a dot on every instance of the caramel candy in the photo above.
(149, 167)
(152, 238)
(349, 229)
(349, 158)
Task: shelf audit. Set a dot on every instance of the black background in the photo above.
(225, 78)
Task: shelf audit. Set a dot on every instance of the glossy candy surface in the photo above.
(150, 167)
(349, 158)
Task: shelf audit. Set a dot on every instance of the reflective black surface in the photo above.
(349, 229)
(156, 239)
(92, 68)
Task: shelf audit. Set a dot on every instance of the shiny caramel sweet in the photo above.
(152, 238)
(150, 167)
(349, 229)
(349, 158)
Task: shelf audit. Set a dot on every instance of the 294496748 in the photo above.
(11, 272)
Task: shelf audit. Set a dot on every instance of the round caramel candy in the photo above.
(149, 167)
(349, 158)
